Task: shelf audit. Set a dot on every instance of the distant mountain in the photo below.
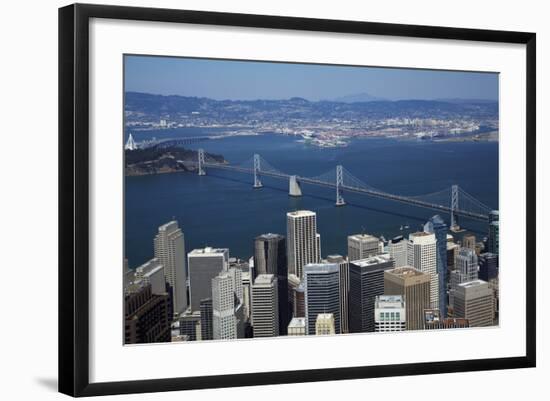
(146, 107)
(464, 101)
(358, 98)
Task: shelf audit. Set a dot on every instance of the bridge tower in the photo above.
(202, 171)
(294, 188)
(257, 168)
(454, 208)
(339, 183)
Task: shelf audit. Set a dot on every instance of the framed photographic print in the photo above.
(249, 199)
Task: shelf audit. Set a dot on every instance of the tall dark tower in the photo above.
(270, 258)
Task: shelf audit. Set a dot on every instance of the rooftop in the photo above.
(208, 251)
(301, 213)
(297, 322)
(373, 260)
(405, 271)
(264, 279)
(389, 302)
(363, 237)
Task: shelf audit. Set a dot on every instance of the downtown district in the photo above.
(425, 281)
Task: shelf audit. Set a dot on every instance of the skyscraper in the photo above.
(466, 265)
(343, 265)
(422, 255)
(397, 248)
(206, 311)
(474, 301)
(437, 226)
(204, 265)
(361, 246)
(170, 251)
(303, 242)
(146, 311)
(366, 282)
(415, 288)
(265, 306)
(322, 285)
(469, 241)
(324, 325)
(493, 237)
(488, 266)
(389, 313)
(434, 321)
(270, 258)
(224, 302)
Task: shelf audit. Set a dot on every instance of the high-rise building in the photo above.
(452, 251)
(422, 255)
(366, 282)
(397, 248)
(270, 258)
(206, 313)
(488, 266)
(493, 237)
(299, 301)
(297, 326)
(466, 266)
(474, 301)
(224, 307)
(415, 288)
(322, 285)
(343, 265)
(437, 226)
(389, 313)
(204, 265)
(324, 325)
(361, 246)
(469, 241)
(188, 326)
(293, 283)
(152, 272)
(170, 251)
(147, 312)
(303, 242)
(434, 321)
(265, 306)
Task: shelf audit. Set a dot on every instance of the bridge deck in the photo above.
(377, 194)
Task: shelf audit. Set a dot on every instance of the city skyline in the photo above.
(220, 79)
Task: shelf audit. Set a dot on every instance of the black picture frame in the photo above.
(74, 198)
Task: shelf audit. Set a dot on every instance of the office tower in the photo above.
(466, 266)
(452, 251)
(469, 241)
(265, 306)
(343, 265)
(397, 248)
(152, 272)
(297, 326)
(474, 301)
(389, 313)
(204, 265)
(366, 282)
(270, 258)
(246, 284)
(170, 251)
(322, 285)
(224, 316)
(415, 288)
(422, 255)
(437, 226)
(324, 325)
(146, 313)
(303, 242)
(188, 326)
(488, 266)
(299, 301)
(434, 321)
(207, 330)
(293, 283)
(493, 237)
(361, 246)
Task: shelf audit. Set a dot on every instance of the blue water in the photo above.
(222, 209)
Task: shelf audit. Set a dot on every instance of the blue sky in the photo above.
(246, 80)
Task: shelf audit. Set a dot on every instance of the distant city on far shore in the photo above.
(271, 199)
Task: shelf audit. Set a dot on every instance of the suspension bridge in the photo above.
(453, 200)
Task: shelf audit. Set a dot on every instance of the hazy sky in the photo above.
(220, 79)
